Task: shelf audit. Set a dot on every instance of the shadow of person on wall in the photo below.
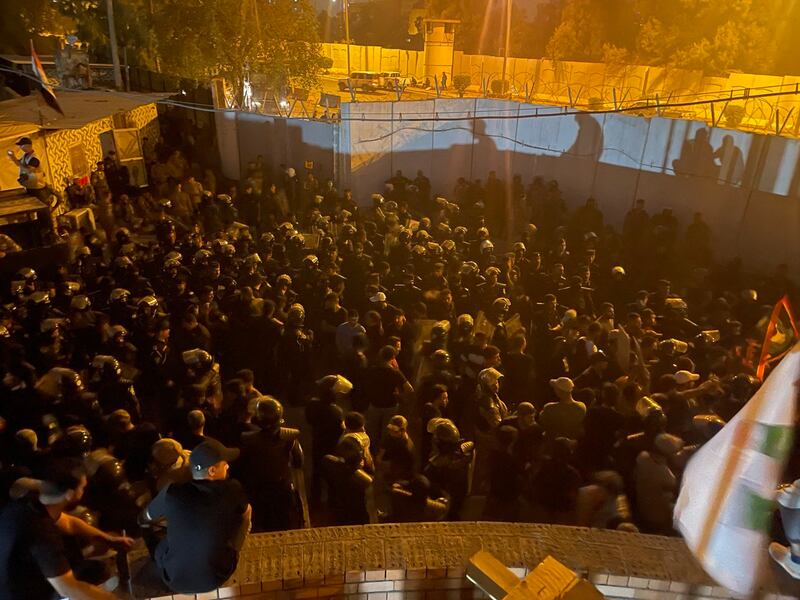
(730, 160)
(484, 146)
(697, 157)
(589, 139)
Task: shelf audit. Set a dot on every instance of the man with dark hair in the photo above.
(33, 557)
(435, 408)
(208, 519)
(384, 385)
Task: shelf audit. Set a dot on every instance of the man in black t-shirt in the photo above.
(33, 558)
(208, 519)
(384, 385)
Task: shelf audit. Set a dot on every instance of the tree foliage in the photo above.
(276, 38)
(24, 20)
(709, 35)
(196, 39)
(592, 30)
(290, 48)
(755, 36)
(482, 27)
(712, 36)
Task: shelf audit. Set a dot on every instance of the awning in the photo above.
(10, 130)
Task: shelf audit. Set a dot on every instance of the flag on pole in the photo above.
(780, 334)
(727, 496)
(44, 87)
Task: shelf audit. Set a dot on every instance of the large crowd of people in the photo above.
(414, 354)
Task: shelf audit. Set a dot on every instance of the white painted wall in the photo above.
(748, 185)
(284, 141)
(748, 191)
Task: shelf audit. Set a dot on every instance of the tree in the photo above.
(194, 39)
(461, 83)
(133, 25)
(24, 20)
(330, 27)
(278, 39)
(592, 30)
(711, 36)
(290, 50)
(482, 26)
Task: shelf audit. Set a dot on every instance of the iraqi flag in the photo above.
(44, 87)
(728, 492)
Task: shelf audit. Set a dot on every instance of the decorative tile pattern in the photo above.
(428, 559)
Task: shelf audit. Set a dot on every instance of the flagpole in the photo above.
(112, 39)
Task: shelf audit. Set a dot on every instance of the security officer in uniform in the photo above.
(268, 457)
(450, 466)
(113, 391)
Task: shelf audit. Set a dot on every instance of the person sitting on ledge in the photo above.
(207, 522)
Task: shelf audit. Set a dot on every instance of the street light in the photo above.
(508, 41)
(346, 4)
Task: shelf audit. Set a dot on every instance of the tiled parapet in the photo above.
(427, 561)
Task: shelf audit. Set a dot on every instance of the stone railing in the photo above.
(427, 561)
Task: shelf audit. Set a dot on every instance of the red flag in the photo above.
(44, 87)
(780, 336)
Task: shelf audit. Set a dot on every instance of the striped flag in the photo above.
(728, 492)
(44, 87)
(780, 334)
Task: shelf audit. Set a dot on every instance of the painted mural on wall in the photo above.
(61, 141)
(63, 154)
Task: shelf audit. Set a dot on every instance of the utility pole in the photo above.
(508, 42)
(347, 32)
(112, 39)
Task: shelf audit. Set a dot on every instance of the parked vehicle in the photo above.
(392, 80)
(361, 80)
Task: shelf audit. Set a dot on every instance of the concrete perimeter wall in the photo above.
(242, 136)
(581, 84)
(747, 185)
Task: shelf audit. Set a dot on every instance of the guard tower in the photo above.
(440, 35)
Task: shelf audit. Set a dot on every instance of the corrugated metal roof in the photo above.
(80, 108)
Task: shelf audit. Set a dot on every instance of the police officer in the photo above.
(113, 391)
(449, 468)
(268, 457)
(348, 484)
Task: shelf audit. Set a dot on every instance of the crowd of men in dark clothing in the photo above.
(436, 372)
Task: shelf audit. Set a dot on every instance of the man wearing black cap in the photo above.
(31, 176)
(207, 518)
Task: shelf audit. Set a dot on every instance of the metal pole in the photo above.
(347, 32)
(508, 41)
(127, 69)
(112, 39)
